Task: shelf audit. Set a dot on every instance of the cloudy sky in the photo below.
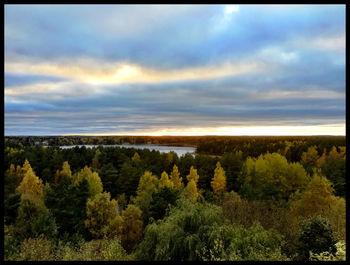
(180, 69)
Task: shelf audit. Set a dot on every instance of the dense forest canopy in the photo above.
(237, 198)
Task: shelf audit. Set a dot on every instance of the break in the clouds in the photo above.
(174, 69)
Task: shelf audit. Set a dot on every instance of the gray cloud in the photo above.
(304, 85)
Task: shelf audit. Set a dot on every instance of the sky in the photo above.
(174, 70)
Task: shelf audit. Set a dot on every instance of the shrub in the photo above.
(340, 255)
(316, 236)
(36, 249)
(97, 250)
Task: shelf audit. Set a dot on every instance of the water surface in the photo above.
(179, 150)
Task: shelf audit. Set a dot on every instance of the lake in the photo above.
(179, 150)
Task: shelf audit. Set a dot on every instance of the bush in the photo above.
(97, 250)
(36, 249)
(254, 243)
(316, 236)
(340, 255)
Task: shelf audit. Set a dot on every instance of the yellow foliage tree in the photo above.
(13, 177)
(193, 175)
(164, 181)
(316, 199)
(333, 154)
(31, 185)
(311, 156)
(148, 185)
(342, 151)
(176, 179)
(273, 171)
(190, 191)
(132, 227)
(337, 217)
(322, 158)
(219, 180)
(102, 216)
(26, 166)
(12, 171)
(94, 181)
(136, 157)
(64, 172)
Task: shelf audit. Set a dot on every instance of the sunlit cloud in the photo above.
(98, 72)
(184, 69)
(332, 129)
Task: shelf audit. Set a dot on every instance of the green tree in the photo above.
(67, 202)
(34, 219)
(95, 163)
(132, 227)
(11, 205)
(196, 231)
(316, 236)
(161, 201)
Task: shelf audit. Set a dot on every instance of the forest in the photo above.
(238, 198)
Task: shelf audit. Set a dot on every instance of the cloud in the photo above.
(126, 68)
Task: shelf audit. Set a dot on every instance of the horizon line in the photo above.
(148, 135)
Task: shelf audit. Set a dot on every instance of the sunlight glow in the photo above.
(231, 8)
(331, 129)
(86, 70)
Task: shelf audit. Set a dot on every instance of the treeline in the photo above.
(291, 147)
(111, 203)
(103, 140)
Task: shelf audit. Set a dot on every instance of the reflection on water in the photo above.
(179, 150)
